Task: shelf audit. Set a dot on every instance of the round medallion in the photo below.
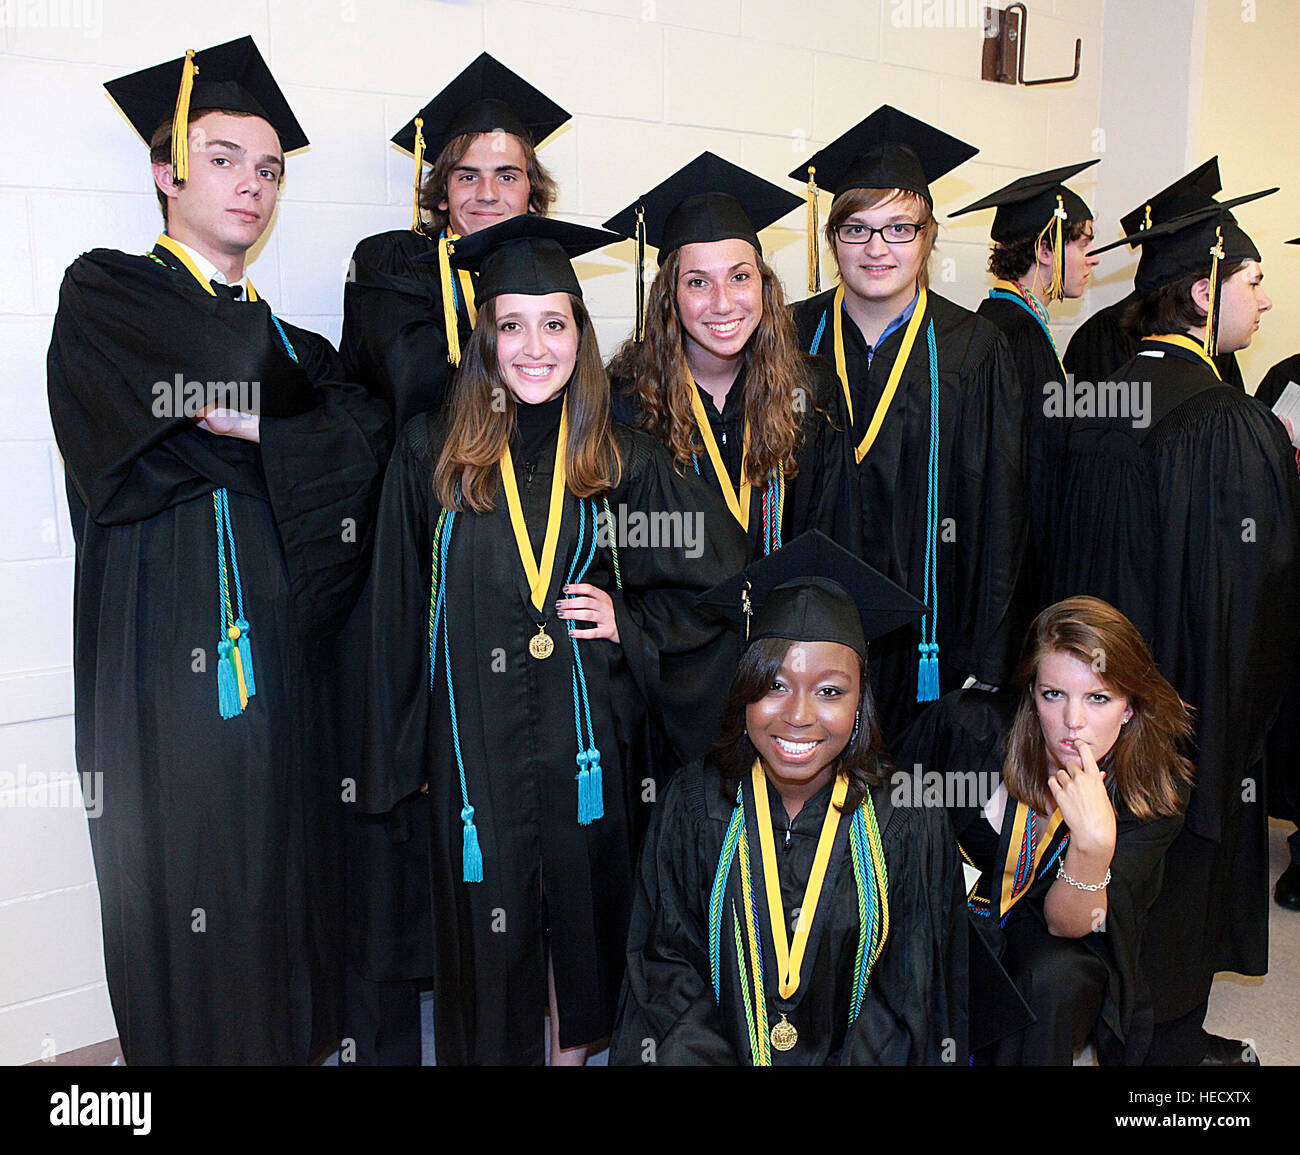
(784, 1036)
(540, 644)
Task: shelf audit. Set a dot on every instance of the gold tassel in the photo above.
(814, 262)
(419, 161)
(640, 273)
(1146, 219)
(1211, 342)
(450, 321)
(181, 121)
(1055, 287)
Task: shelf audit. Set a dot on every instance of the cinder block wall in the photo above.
(650, 82)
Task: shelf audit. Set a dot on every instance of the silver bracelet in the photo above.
(1060, 873)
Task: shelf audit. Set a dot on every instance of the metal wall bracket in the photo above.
(1003, 60)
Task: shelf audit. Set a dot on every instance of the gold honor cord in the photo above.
(539, 577)
(451, 323)
(895, 374)
(789, 959)
(739, 506)
(1008, 896)
(1187, 343)
(174, 247)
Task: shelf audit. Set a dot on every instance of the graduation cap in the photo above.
(486, 97)
(1193, 243)
(527, 254)
(812, 590)
(1034, 206)
(1028, 206)
(889, 149)
(1191, 191)
(1293, 241)
(230, 77)
(709, 199)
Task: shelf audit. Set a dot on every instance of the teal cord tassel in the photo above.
(227, 687)
(471, 854)
(246, 656)
(927, 679)
(591, 790)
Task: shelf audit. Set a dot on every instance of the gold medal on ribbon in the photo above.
(540, 644)
(784, 1036)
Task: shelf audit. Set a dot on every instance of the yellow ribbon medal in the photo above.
(1185, 342)
(895, 374)
(738, 504)
(540, 644)
(789, 955)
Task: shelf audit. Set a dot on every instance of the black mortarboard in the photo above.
(1293, 241)
(231, 77)
(889, 149)
(527, 254)
(812, 590)
(1185, 245)
(1025, 206)
(1191, 191)
(486, 97)
(709, 199)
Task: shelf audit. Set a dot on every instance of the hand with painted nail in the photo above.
(588, 603)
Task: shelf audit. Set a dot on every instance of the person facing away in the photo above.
(1186, 522)
(216, 555)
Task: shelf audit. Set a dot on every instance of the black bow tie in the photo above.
(234, 292)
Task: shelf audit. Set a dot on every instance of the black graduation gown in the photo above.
(912, 1012)
(822, 495)
(1036, 365)
(217, 849)
(965, 735)
(546, 879)
(1190, 528)
(982, 493)
(394, 336)
(1100, 346)
(1283, 751)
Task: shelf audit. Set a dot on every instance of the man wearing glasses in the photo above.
(938, 422)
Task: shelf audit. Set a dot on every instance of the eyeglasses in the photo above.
(899, 233)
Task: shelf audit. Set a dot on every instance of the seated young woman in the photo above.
(788, 913)
(718, 376)
(514, 650)
(1064, 794)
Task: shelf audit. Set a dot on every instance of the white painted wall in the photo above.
(651, 83)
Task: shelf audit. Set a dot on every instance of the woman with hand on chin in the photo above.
(514, 652)
(718, 376)
(788, 912)
(1071, 844)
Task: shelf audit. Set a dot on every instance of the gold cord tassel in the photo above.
(1056, 290)
(639, 332)
(1211, 342)
(181, 121)
(1146, 219)
(814, 262)
(419, 162)
(446, 247)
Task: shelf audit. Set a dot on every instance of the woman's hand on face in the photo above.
(589, 604)
(1084, 804)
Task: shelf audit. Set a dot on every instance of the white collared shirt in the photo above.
(209, 270)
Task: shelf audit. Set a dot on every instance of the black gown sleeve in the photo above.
(678, 652)
(668, 1013)
(397, 701)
